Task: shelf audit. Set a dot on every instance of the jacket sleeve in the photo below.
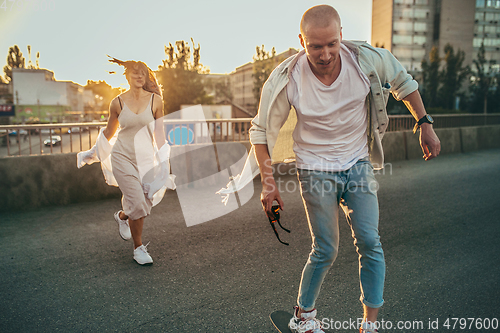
(98, 153)
(391, 71)
(259, 122)
(269, 93)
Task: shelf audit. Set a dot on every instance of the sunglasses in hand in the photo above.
(275, 217)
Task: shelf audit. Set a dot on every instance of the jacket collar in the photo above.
(353, 45)
(290, 62)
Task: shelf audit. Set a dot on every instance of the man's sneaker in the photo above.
(368, 327)
(123, 226)
(306, 323)
(142, 256)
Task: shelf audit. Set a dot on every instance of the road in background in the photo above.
(68, 140)
(66, 268)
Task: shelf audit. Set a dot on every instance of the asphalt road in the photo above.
(65, 269)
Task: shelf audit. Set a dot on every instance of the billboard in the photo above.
(7, 110)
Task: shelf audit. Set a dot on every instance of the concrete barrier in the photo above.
(451, 143)
(198, 163)
(450, 140)
(394, 144)
(488, 137)
(31, 182)
(469, 139)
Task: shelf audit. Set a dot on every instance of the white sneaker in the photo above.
(306, 323)
(368, 327)
(123, 226)
(142, 256)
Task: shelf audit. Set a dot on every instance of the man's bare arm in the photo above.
(431, 146)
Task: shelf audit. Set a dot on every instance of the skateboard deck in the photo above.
(280, 320)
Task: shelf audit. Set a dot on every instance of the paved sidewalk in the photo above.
(66, 268)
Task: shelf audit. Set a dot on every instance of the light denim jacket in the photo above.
(276, 119)
(383, 70)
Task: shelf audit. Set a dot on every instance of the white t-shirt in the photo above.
(330, 134)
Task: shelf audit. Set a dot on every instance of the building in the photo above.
(242, 83)
(487, 30)
(6, 101)
(410, 28)
(217, 86)
(37, 94)
(5, 93)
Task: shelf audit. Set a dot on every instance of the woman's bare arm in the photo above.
(112, 125)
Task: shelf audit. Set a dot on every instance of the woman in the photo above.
(142, 180)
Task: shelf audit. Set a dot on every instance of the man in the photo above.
(339, 90)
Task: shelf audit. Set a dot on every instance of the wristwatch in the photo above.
(425, 119)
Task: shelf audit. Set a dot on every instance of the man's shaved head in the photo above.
(321, 37)
(320, 16)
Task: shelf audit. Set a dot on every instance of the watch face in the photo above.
(429, 118)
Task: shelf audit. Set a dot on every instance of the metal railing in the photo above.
(46, 139)
(407, 122)
(75, 137)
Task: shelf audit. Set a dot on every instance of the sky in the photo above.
(74, 37)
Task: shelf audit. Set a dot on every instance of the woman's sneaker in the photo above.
(306, 323)
(142, 256)
(123, 226)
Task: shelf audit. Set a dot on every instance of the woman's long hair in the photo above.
(151, 84)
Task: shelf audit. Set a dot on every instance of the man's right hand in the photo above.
(269, 194)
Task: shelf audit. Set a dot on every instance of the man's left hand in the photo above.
(431, 146)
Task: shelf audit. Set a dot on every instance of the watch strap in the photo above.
(424, 119)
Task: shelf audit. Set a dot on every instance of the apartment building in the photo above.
(487, 30)
(410, 28)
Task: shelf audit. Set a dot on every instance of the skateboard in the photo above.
(280, 320)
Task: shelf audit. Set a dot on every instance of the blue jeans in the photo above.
(355, 190)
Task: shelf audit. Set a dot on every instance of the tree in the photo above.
(30, 63)
(263, 64)
(179, 76)
(105, 93)
(223, 90)
(15, 59)
(430, 73)
(482, 81)
(493, 94)
(452, 76)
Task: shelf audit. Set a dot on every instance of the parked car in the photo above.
(62, 130)
(56, 140)
(78, 129)
(21, 132)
